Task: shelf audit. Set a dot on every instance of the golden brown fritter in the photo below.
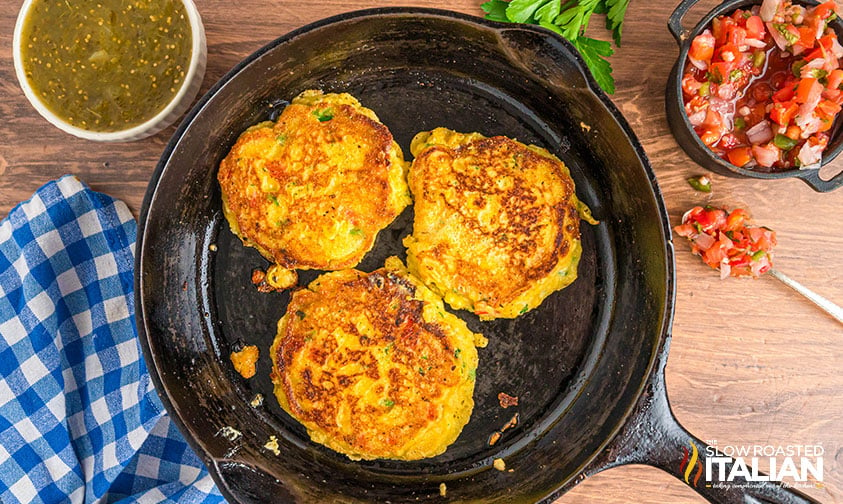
(313, 190)
(373, 366)
(496, 226)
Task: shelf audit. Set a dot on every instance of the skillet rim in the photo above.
(660, 347)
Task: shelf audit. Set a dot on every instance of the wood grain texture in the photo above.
(751, 362)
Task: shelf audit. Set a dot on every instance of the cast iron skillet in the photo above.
(587, 366)
(682, 129)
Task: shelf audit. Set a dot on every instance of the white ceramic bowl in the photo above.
(177, 106)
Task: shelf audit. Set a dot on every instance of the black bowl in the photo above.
(684, 132)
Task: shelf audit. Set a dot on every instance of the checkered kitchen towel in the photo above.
(79, 419)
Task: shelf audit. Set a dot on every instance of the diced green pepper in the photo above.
(701, 183)
(784, 142)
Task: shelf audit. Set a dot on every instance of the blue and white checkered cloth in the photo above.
(79, 419)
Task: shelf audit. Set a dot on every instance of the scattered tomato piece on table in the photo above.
(726, 241)
(762, 87)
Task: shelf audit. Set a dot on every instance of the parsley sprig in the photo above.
(570, 19)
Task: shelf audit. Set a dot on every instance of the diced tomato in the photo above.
(782, 113)
(834, 95)
(828, 107)
(696, 104)
(793, 132)
(807, 37)
(736, 219)
(711, 218)
(690, 85)
(729, 53)
(818, 53)
(824, 10)
(740, 156)
(835, 78)
(736, 35)
(719, 72)
(784, 94)
(714, 255)
(755, 27)
(827, 41)
(826, 122)
(687, 230)
(710, 137)
(702, 47)
(713, 120)
(804, 89)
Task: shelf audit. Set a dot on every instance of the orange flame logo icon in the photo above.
(690, 461)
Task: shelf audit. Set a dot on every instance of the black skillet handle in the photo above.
(674, 23)
(812, 178)
(654, 437)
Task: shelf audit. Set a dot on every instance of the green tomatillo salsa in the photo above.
(106, 65)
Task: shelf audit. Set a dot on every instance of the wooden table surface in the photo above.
(751, 363)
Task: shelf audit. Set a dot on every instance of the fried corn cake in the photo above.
(373, 366)
(496, 226)
(313, 189)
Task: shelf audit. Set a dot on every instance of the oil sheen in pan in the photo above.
(408, 102)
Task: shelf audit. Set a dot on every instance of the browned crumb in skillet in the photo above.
(496, 436)
(244, 361)
(499, 464)
(272, 445)
(512, 423)
(507, 400)
(274, 279)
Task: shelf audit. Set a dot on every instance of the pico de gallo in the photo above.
(727, 242)
(762, 87)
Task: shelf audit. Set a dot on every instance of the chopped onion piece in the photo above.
(810, 155)
(760, 133)
(768, 10)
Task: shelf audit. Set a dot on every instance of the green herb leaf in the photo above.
(521, 11)
(496, 10)
(549, 11)
(355, 232)
(569, 18)
(614, 18)
(388, 403)
(595, 52)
